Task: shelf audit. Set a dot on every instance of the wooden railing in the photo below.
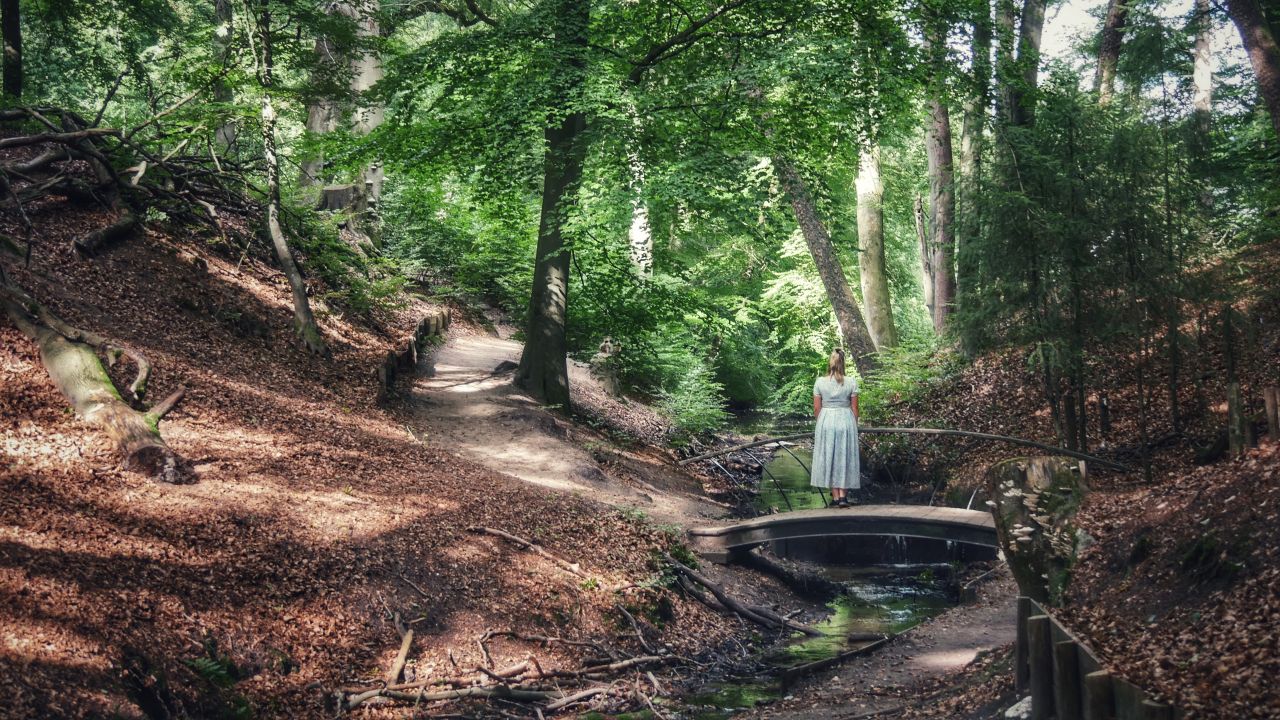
(1067, 681)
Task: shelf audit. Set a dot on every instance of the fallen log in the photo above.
(79, 374)
(90, 244)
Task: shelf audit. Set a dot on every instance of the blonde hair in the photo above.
(835, 365)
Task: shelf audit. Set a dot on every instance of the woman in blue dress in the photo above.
(835, 438)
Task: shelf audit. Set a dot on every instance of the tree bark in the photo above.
(969, 222)
(926, 257)
(848, 316)
(942, 199)
(871, 258)
(11, 29)
(1259, 40)
(363, 69)
(1006, 27)
(543, 371)
(1030, 30)
(1109, 50)
(304, 321)
(225, 135)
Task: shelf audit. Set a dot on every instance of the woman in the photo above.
(835, 439)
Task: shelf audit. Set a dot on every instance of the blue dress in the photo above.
(835, 439)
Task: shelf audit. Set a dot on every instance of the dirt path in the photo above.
(471, 408)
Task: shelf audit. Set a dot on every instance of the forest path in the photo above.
(471, 409)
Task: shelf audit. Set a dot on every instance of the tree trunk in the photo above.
(871, 261)
(1006, 57)
(1109, 50)
(225, 134)
(942, 199)
(304, 321)
(364, 69)
(1264, 55)
(640, 234)
(969, 221)
(1030, 30)
(76, 370)
(543, 370)
(11, 29)
(926, 257)
(856, 338)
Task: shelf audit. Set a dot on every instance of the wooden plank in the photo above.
(1020, 670)
(1099, 696)
(1040, 663)
(1066, 680)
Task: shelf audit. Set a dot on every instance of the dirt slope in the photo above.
(315, 512)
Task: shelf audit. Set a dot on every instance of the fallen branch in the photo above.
(397, 665)
(790, 675)
(635, 626)
(494, 691)
(760, 616)
(571, 568)
(565, 702)
(89, 245)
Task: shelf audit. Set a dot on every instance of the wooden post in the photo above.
(1235, 420)
(1040, 660)
(1020, 646)
(1152, 710)
(1271, 398)
(1066, 680)
(1099, 698)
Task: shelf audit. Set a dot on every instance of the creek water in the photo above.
(876, 596)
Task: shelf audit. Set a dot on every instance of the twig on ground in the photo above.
(571, 568)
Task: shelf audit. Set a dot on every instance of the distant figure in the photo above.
(604, 366)
(835, 439)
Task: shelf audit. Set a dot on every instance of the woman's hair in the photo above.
(835, 365)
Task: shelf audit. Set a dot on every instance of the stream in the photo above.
(881, 592)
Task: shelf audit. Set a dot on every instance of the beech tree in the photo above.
(1259, 34)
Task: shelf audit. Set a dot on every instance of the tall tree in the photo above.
(1109, 49)
(853, 328)
(543, 370)
(972, 142)
(1021, 87)
(871, 259)
(942, 199)
(225, 134)
(1258, 32)
(11, 30)
(304, 322)
(351, 60)
(1202, 71)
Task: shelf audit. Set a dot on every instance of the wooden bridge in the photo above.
(922, 521)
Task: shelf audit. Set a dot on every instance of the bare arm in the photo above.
(853, 405)
(817, 405)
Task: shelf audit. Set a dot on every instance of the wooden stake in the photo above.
(1099, 697)
(1271, 398)
(1235, 420)
(1040, 660)
(1066, 680)
(1152, 710)
(1020, 674)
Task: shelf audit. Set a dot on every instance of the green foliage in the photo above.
(902, 374)
(694, 405)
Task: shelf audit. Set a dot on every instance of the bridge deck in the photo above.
(941, 523)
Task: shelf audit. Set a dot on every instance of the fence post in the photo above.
(1152, 710)
(1020, 673)
(1066, 680)
(1040, 655)
(1099, 697)
(1237, 435)
(1271, 399)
